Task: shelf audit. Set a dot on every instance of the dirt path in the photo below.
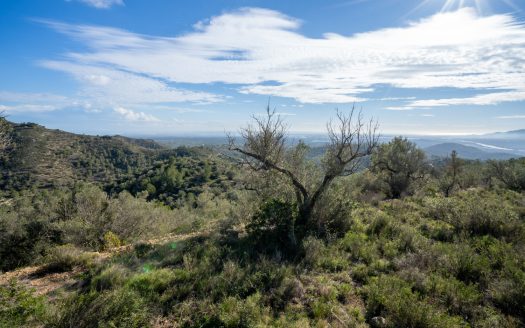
(45, 284)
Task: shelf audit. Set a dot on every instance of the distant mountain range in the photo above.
(508, 134)
(466, 152)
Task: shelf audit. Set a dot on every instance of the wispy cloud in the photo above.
(130, 115)
(110, 86)
(511, 117)
(101, 4)
(262, 51)
(39, 102)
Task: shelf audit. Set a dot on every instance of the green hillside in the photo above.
(43, 158)
(117, 232)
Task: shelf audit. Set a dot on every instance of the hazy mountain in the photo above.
(466, 152)
(520, 132)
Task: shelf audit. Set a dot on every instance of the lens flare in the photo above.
(482, 6)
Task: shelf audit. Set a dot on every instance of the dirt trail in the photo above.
(45, 284)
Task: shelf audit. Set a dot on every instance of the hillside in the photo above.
(141, 236)
(465, 152)
(43, 158)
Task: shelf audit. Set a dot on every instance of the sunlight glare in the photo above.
(482, 6)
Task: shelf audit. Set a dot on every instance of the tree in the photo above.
(5, 138)
(264, 149)
(399, 163)
(452, 170)
(511, 173)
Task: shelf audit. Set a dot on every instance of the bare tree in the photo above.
(264, 148)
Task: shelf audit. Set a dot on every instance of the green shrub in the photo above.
(249, 312)
(119, 308)
(111, 277)
(508, 291)
(458, 297)
(111, 240)
(393, 299)
(19, 307)
(468, 215)
(272, 227)
(314, 250)
(151, 285)
(65, 258)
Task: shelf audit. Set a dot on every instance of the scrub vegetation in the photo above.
(259, 233)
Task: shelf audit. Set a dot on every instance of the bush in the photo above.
(65, 258)
(111, 240)
(111, 277)
(399, 164)
(272, 227)
(468, 215)
(250, 312)
(19, 307)
(393, 299)
(119, 308)
(151, 285)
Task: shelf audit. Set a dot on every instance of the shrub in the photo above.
(458, 297)
(468, 215)
(508, 291)
(393, 299)
(151, 285)
(399, 163)
(119, 308)
(19, 307)
(111, 240)
(65, 258)
(272, 227)
(250, 312)
(111, 277)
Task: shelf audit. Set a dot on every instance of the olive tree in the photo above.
(510, 172)
(452, 170)
(399, 163)
(264, 148)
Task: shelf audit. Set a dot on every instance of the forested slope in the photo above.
(40, 157)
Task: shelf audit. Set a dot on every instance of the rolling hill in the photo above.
(43, 158)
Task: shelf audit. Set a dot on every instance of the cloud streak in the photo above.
(261, 52)
(101, 4)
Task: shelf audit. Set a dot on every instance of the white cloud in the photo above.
(481, 100)
(26, 108)
(8, 96)
(135, 116)
(110, 87)
(101, 4)
(36, 102)
(262, 51)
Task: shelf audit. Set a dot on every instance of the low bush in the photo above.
(119, 308)
(65, 258)
(272, 227)
(394, 300)
(19, 307)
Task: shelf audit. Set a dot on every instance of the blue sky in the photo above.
(165, 67)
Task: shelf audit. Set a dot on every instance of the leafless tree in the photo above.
(264, 149)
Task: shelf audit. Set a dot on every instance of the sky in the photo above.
(167, 67)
